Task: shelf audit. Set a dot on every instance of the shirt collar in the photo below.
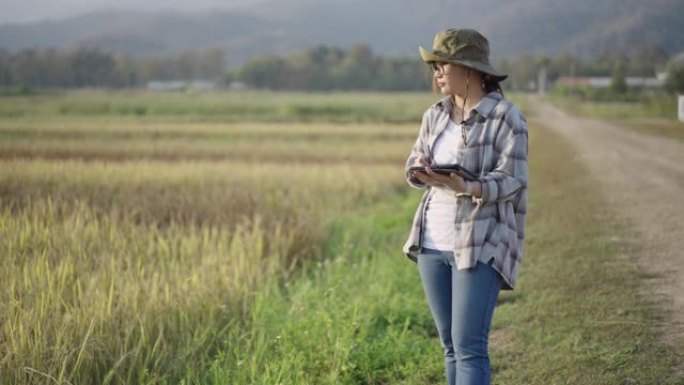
(482, 108)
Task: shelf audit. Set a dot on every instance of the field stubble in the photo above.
(205, 240)
(133, 246)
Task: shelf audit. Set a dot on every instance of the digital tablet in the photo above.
(446, 170)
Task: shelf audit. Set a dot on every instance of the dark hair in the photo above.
(489, 82)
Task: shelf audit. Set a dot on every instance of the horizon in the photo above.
(244, 29)
(36, 11)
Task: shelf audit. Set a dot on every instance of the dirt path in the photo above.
(642, 178)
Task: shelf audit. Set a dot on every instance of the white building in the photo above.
(605, 81)
(181, 85)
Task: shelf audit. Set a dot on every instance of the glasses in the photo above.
(438, 68)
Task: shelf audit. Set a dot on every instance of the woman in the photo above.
(467, 235)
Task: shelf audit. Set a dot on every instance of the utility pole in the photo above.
(541, 81)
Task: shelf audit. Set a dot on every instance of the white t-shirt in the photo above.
(439, 231)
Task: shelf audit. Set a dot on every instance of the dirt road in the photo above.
(642, 178)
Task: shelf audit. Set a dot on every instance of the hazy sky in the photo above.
(13, 11)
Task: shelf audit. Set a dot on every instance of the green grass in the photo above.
(644, 105)
(656, 127)
(242, 106)
(367, 133)
(360, 317)
(198, 269)
(356, 317)
(655, 115)
(577, 317)
(268, 149)
(139, 270)
(114, 275)
(223, 106)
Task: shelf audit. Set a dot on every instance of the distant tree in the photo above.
(523, 70)
(187, 65)
(562, 65)
(5, 70)
(24, 67)
(675, 78)
(302, 70)
(264, 72)
(618, 83)
(91, 68)
(601, 65)
(211, 64)
(328, 68)
(126, 70)
(360, 54)
(645, 58)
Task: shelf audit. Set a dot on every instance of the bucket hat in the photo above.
(466, 47)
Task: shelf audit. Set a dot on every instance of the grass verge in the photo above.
(645, 106)
(656, 116)
(360, 316)
(576, 317)
(657, 127)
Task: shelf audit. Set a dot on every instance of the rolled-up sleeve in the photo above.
(510, 173)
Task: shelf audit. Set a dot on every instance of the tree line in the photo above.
(320, 68)
(330, 68)
(93, 68)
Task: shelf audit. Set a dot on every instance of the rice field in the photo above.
(254, 238)
(132, 244)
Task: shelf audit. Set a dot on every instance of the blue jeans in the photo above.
(462, 304)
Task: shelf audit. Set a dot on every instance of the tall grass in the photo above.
(360, 316)
(181, 245)
(134, 272)
(141, 270)
(636, 105)
(116, 139)
(367, 151)
(194, 192)
(652, 114)
(224, 106)
(90, 299)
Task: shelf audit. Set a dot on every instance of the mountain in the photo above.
(391, 27)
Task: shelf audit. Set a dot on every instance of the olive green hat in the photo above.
(466, 47)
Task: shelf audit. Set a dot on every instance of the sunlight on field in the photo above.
(173, 247)
(225, 106)
(133, 244)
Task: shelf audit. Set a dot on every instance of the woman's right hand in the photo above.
(423, 177)
(422, 161)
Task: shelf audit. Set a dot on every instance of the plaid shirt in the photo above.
(496, 150)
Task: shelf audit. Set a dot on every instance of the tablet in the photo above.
(446, 170)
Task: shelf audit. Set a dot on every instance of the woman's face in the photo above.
(450, 78)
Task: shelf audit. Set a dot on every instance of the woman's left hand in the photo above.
(452, 181)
